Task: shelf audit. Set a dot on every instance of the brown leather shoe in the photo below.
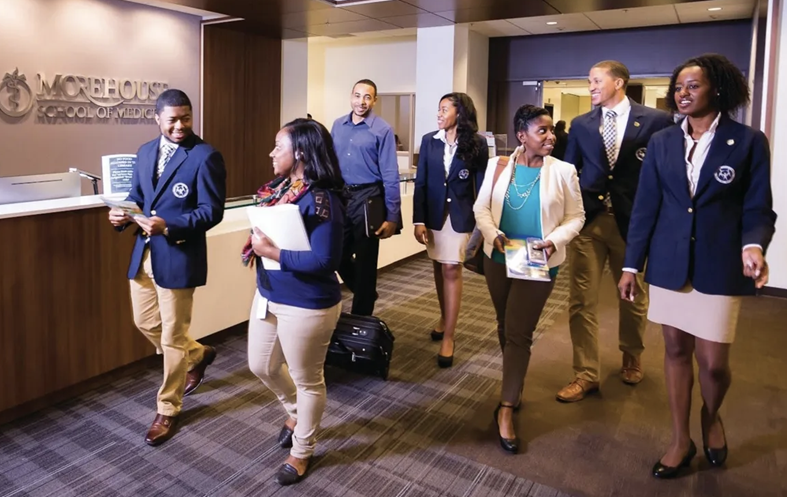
(577, 390)
(162, 429)
(631, 372)
(195, 376)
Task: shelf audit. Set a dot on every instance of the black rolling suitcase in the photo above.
(361, 343)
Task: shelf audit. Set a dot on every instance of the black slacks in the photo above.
(358, 267)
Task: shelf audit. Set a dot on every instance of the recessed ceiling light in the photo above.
(551, 23)
(714, 9)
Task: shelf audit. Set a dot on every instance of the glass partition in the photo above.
(398, 110)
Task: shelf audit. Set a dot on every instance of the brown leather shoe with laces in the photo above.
(631, 371)
(577, 390)
(162, 429)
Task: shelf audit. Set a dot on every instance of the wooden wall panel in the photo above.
(65, 309)
(241, 103)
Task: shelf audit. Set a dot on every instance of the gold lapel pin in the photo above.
(730, 142)
(636, 124)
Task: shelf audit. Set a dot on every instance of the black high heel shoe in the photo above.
(437, 335)
(664, 472)
(446, 361)
(716, 457)
(510, 445)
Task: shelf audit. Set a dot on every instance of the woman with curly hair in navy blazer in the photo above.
(702, 220)
(451, 167)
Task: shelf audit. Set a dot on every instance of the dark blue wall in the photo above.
(646, 51)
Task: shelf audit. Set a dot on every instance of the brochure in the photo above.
(130, 208)
(525, 262)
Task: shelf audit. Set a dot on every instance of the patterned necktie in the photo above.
(165, 154)
(610, 135)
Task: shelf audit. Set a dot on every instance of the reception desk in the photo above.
(65, 310)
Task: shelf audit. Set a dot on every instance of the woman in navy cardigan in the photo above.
(296, 307)
(451, 167)
(702, 220)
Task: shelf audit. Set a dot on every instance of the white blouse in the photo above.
(695, 162)
(448, 152)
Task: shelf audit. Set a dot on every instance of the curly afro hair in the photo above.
(727, 82)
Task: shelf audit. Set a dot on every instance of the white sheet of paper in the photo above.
(283, 224)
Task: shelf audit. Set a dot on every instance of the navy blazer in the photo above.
(189, 196)
(435, 192)
(700, 239)
(587, 152)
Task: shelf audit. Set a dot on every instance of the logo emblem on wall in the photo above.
(79, 98)
(16, 97)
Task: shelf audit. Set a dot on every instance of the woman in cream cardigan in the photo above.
(529, 194)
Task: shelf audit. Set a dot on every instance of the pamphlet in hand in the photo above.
(131, 209)
(283, 224)
(525, 262)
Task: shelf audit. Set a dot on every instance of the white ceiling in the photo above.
(204, 14)
(618, 19)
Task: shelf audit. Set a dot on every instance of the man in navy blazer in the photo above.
(435, 193)
(607, 145)
(179, 184)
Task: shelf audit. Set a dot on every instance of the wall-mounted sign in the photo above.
(117, 172)
(76, 98)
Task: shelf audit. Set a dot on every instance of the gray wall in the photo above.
(652, 51)
(95, 38)
(646, 51)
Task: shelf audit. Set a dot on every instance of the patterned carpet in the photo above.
(378, 439)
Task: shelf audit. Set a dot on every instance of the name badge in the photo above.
(262, 307)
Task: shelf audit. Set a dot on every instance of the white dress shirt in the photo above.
(695, 161)
(622, 111)
(448, 152)
(164, 141)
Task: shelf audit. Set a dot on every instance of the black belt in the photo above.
(363, 186)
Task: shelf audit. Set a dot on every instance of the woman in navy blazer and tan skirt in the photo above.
(451, 166)
(702, 220)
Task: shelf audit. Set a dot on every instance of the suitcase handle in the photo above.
(348, 350)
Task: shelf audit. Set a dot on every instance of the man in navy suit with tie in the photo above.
(607, 145)
(179, 183)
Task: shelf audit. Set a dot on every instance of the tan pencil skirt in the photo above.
(446, 245)
(710, 317)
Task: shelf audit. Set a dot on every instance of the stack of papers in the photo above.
(283, 224)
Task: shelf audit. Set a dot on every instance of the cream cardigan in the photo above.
(562, 212)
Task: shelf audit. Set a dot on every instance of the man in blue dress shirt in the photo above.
(366, 147)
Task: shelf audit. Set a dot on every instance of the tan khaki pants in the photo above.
(598, 242)
(163, 315)
(287, 352)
